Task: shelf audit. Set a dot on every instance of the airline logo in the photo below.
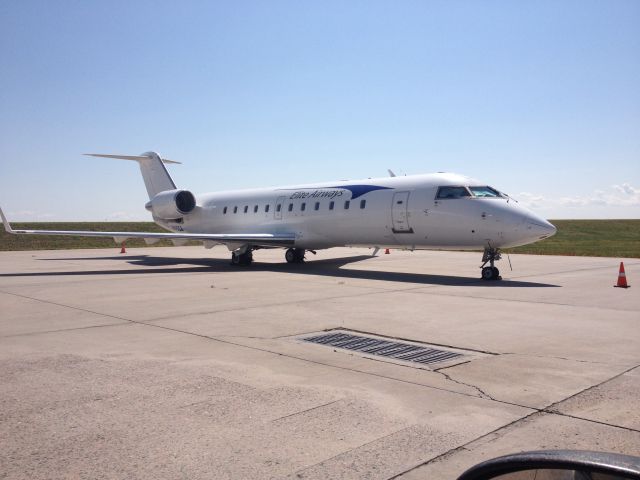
(337, 191)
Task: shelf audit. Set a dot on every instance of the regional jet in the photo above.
(441, 211)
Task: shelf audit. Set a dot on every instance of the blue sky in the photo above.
(540, 99)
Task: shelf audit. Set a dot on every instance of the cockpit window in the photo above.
(452, 192)
(484, 192)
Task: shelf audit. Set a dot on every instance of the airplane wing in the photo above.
(210, 239)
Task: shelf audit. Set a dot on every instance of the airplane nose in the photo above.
(541, 227)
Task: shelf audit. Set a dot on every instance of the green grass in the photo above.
(595, 238)
(598, 238)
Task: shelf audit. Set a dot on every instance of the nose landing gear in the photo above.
(490, 256)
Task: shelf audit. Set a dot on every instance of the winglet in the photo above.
(391, 174)
(7, 226)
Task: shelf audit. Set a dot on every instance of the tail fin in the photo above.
(155, 175)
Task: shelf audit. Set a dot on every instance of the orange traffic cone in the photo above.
(123, 249)
(386, 251)
(622, 278)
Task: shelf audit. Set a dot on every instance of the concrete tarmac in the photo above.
(169, 363)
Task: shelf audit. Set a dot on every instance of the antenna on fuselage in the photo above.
(391, 174)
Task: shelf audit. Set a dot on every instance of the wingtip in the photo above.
(5, 222)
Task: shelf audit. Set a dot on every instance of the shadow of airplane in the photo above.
(327, 267)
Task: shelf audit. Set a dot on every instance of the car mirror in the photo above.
(557, 465)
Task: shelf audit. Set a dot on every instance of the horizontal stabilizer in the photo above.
(154, 173)
(136, 158)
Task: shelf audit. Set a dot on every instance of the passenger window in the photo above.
(278, 207)
(246, 208)
(363, 203)
(452, 192)
(346, 204)
(291, 207)
(235, 209)
(331, 204)
(317, 207)
(266, 208)
(255, 209)
(303, 206)
(224, 211)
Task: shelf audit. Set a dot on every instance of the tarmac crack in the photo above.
(481, 392)
(548, 410)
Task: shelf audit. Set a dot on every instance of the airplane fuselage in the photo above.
(409, 212)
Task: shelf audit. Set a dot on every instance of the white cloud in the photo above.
(624, 195)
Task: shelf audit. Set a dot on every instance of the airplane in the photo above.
(440, 211)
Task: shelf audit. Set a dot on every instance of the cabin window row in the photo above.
(303, 207)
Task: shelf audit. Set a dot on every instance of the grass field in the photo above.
(593, 238)
(598, 238)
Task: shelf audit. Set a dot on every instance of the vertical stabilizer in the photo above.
(154, 173)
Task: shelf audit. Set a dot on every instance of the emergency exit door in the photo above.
(400, 213)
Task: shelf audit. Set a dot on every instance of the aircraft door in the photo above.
(279, 207)
(400, 213)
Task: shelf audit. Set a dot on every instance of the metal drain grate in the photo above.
(383, 348)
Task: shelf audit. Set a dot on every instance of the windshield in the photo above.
(452, 192)
(484, 192)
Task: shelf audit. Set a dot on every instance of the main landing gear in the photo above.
(294, 255)
(243, 259)
(490, 256)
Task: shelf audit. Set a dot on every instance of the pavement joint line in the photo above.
(307, 410)
(298, 472)
(562, 272)
(66, 306)
(462, 447)
(622, 427)
(270, 305)
(515, 300)
(552, 405)
(27, 334)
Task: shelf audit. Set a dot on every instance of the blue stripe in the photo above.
(359, 190)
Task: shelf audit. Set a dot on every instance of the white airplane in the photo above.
(441, 211)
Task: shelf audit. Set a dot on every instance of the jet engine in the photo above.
(172, 204)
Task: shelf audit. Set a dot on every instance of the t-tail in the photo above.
(166, 201)
(155, 175)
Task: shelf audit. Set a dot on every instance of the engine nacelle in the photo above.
(172, 204)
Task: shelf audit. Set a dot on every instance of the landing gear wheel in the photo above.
(487, 273)
(496, 274)
(491, 272)
(294, 255)
(243, 259)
